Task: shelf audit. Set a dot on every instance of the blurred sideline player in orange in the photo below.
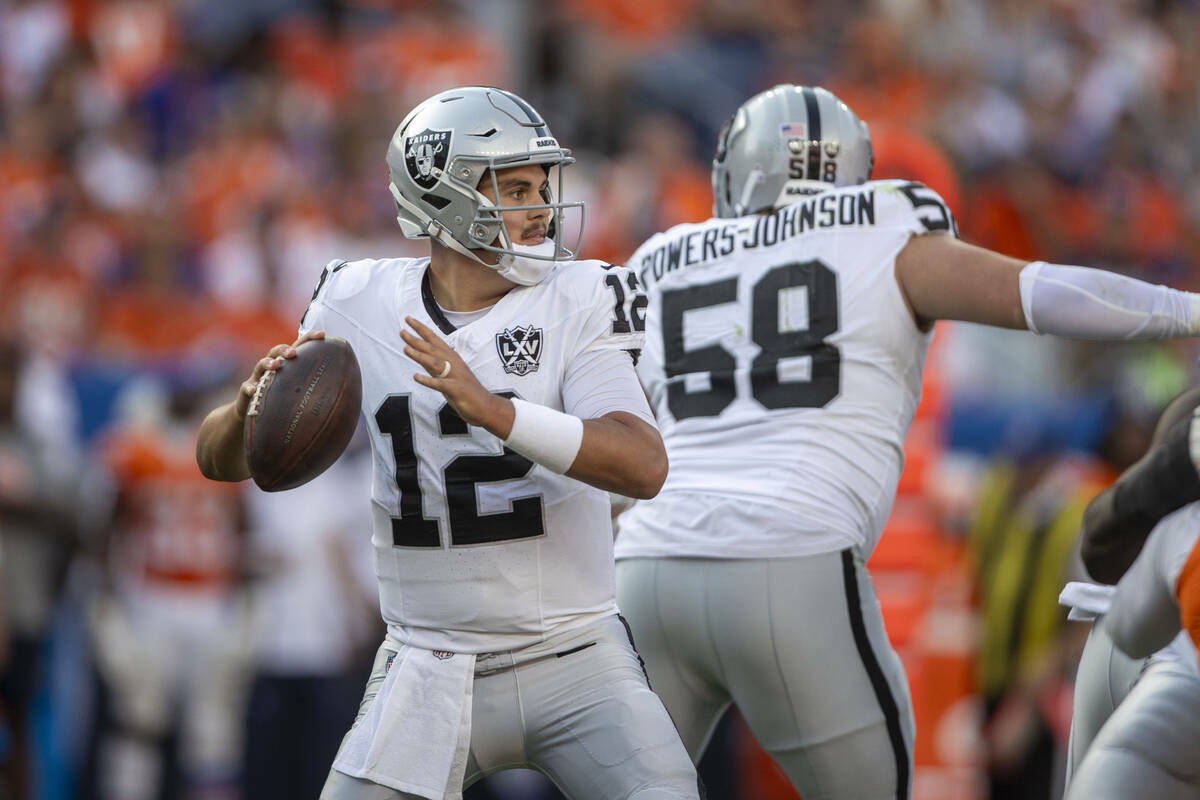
(785, 343)
(170, 626)
(492, 536)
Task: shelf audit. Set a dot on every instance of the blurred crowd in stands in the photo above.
(174, 174)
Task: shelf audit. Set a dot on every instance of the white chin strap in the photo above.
(520, 268)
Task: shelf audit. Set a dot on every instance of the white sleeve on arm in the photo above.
(599, 382)
(1083, 303)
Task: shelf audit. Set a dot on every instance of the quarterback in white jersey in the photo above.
(785, 342)
(443, 490)
(492, 537)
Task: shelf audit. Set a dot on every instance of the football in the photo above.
(303, 415)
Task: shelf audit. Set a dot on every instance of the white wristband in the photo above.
(549, 437)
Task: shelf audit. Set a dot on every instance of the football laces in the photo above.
(259, 391)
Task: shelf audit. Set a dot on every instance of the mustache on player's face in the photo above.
(535, 231)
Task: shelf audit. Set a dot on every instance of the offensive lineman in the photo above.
(493, 544)
(785, 342)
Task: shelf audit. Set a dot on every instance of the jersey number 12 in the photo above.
(461, 477)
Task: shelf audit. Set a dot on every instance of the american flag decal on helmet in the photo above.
(520, 349)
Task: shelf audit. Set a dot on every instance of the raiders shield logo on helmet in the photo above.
(425, 156)
(520, 349)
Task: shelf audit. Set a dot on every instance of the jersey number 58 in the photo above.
(824, 377)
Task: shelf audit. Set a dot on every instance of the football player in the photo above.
(1150, 746)
(1162, 481)
(785, 342)
(1137, 693)
(492, 538)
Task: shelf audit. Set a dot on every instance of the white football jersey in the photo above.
(477, 548)
(784, 368)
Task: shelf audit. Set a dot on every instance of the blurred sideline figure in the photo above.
(1024, 545)
(313, 611)
(785, 343)
(1136, 729)
(38, 530)
(170, 623)
(492, 535)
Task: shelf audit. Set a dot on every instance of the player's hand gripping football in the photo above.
(274, 360)
(450, 375)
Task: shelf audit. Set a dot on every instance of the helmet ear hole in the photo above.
(437, 202)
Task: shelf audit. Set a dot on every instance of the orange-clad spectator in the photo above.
(147, 323)
(901, 152)
(1020, 211)
(876, 77)
(655, 185)
(308, 53)
(1136, 216)
(30, 175)
(228, 177)
(154, 315)
(435, 46)
(636, 21)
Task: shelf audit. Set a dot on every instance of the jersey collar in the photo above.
(432, 308)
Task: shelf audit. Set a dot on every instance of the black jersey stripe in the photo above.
(883, 692)
(813, 172)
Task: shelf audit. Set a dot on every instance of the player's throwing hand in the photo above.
(450, 375)
(274, 360)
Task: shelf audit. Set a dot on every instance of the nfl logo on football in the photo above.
(520, 349)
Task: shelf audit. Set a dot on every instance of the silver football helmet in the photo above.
(784, 143)
(454, 140)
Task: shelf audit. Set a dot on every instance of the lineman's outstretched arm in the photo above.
(944, 278)
(606, 445)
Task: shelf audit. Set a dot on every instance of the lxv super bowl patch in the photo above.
(520, 349)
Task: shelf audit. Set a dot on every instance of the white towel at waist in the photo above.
(1086, 600)
(416, 735)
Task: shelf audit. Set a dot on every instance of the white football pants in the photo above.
(575, 707)
(798, 644)
(1104, 678)
(1150, 746)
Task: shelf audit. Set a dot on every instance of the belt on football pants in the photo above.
(491, 663)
